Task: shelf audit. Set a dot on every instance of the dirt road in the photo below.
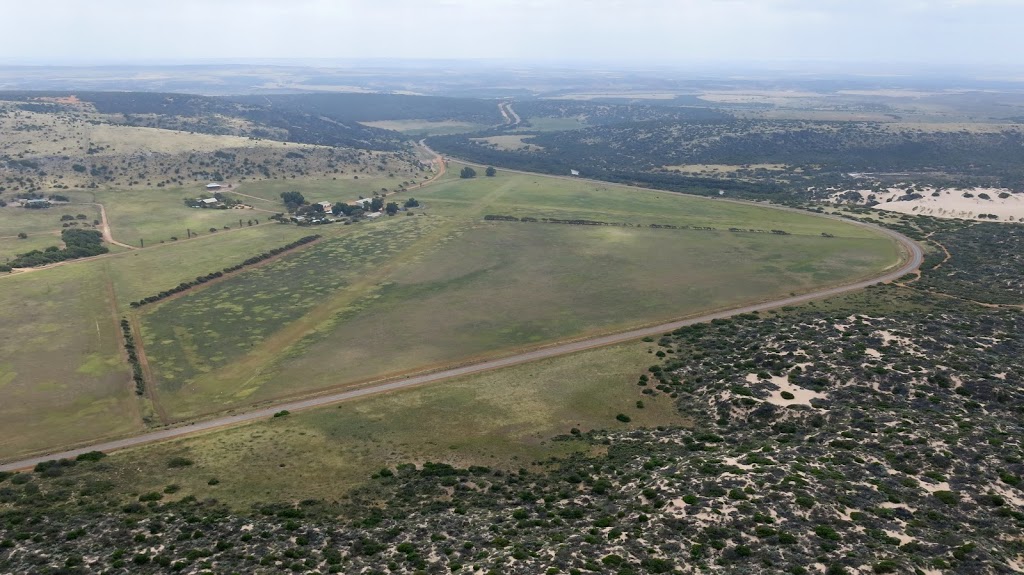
(913, 259)
(105, 229)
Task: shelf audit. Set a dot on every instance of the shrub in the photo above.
(176, 462)
(91, 456)
(623, 418)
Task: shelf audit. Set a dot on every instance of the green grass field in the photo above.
(408, 294)
(157, 215)
(61, 372)
(43, 227)
(504, 419)
(381, 298)
(62, 375)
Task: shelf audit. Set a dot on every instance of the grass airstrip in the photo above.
(432, 287)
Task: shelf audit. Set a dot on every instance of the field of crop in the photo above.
(503, 419)
(414, 293)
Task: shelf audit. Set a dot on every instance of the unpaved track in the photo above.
(912, 253)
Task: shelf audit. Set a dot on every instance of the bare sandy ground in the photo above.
(952, 204)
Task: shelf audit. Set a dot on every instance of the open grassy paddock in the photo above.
(432, 287)
(504, 419)
(42, 227)
(63, 375)
(413, 293)
(61, 372)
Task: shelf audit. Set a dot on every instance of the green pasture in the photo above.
(413, 293)
(375, 299)
(61, 370)
(42, 227)
(504, 419)
(61, 374)
(159, 214)
(249, 319)
(142, 273)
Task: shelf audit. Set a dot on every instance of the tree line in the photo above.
(133, 357)
(184, 286)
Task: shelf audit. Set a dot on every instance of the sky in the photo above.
(662, 32)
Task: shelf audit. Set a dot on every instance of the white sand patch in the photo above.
(873, 353)
(735, 461)
(890, 505)
(801, 396)
(947, 203)
(933, 487)
(889, 338)
(1009, 495)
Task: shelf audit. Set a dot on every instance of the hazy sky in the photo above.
(953, 32)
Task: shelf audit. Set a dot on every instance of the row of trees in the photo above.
(184, 286)
(133, 357)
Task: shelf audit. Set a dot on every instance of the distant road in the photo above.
(912, 252)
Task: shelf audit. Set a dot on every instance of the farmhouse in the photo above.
(209, 201)
(213, 186)
(325, 205)
(574, 172)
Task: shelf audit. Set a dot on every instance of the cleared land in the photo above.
(503, 419)
(62, 372)
(427, 127)
(42, 227)
(415, 293)
(405, 294)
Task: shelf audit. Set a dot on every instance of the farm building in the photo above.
(209, 201)
(373, 215)
(574, 173)
(213, 186)
(325, 205)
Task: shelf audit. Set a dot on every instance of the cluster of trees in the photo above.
(185, 286)
(467, 173)
(293, 200)
(133, 357)
(78, 244)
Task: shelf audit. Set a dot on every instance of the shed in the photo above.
(209, 201)
(213, 186)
